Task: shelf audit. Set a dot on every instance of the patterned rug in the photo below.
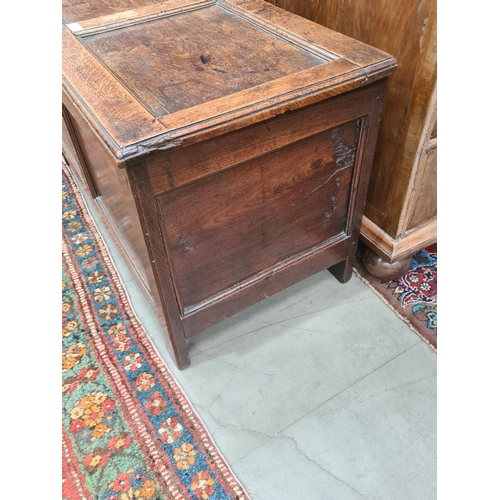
(413, 297)
(128, 431)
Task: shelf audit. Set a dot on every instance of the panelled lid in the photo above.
(152, 75)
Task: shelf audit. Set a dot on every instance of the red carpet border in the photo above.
(128, 430)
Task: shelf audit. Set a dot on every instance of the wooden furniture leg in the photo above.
(342, 271)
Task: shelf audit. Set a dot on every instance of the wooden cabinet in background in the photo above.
(400, 216)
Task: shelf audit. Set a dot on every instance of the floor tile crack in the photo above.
(233, 426)
(331, 474)
(352, 384)
(206, 355)
(278, 435)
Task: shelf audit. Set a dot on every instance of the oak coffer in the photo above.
(227, 145)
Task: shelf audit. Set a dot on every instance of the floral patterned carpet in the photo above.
(128, 430)
(413, 297)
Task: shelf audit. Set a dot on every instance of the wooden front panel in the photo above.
(200, 69)
(74, 155)
(227, 227)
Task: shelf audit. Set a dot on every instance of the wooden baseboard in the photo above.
(392, 249)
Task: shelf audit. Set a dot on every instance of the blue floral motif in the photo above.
(136, 478)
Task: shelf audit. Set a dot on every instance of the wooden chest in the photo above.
(227, 145)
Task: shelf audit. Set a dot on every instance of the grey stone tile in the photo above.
(230, 329)
(249, 387)
(318, 304)
(316, 293)
(379, 435)
(226, 435)
(280, 470)
(368, 315)
(269, 378)
(139, 303)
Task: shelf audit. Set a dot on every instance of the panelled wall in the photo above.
(401, 210)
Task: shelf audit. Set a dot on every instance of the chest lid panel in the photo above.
(154, 75)
(177, 62)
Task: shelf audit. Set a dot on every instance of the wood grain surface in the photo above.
(200, 68)
(137, 15)
(111, 185)
(80, 10)
(98, 94)
(199, 160)
(257, 214)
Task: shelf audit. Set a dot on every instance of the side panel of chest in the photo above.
(109, 186)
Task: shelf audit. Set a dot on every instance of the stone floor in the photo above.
(319, 392)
